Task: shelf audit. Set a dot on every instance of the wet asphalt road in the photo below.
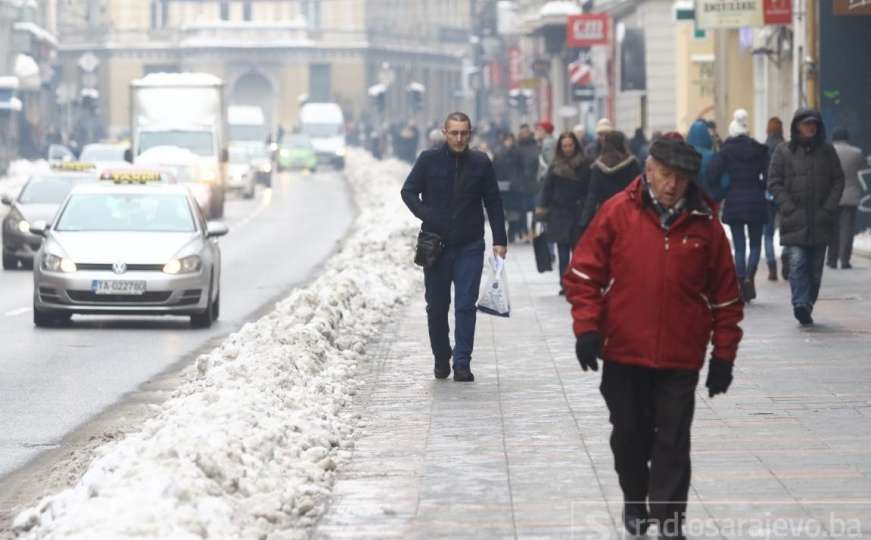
(52, 380)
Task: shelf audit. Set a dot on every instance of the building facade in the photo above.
(271, 53)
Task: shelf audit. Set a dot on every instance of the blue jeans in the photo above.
(768, 234)
(743, 267)
(462, 266)
(805, 273)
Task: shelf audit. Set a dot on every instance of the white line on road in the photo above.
(19, 311)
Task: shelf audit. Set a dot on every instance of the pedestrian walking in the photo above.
(806, 180)
(774, 137)
(562, 198)
(610, 174)
(529, 163)
(651, 285)
(445, 190)
(744, 209)
(508, 167)
(841, 244)
(699, 136)
(639, 145)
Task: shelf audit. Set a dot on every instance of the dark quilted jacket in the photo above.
(746, 163)
(806, 181)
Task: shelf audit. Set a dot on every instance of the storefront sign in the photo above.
(778, 11)
(587, 30)
(729, 13)
(852, 7)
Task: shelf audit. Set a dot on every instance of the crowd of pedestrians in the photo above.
(605, 205)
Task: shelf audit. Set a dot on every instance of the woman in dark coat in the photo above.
(562, 197)
(615, 169)
(775, 137)
(746, 162)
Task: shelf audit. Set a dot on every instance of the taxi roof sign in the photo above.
(132, 176)
(73, 166)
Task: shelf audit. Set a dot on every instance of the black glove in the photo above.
(719, 376)
(587, 349)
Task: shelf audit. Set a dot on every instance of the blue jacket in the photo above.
(701, 139)
(429, 194)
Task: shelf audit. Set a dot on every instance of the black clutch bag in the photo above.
(429, 248)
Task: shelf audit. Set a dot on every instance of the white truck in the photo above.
(249, 131)
(185, 110)
(324, 123)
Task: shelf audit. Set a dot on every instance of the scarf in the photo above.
(568, 168)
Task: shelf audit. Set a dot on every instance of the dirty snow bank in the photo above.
(248, 445)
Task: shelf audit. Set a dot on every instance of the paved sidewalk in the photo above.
(523, 452)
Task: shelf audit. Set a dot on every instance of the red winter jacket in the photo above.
(656, 296)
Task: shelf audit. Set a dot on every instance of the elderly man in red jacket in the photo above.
(651, 284)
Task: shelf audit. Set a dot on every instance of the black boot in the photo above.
(750, 285)
(463, 375)
(772, 271)
(442, 369)
(635, 518)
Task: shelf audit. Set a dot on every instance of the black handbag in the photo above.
(429, 249)
(543, 254)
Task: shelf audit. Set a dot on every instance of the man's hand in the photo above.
(719, 376)
(587, 349)
(500, 251)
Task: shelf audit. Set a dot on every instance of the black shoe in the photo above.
(832, 265)
(463, 375)
(441, 372)
(635, 518)
(846, 266)
(562, 292)
(803, 314)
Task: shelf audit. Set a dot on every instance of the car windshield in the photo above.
(126, 212)
(239, 155)
(241, 132)
(323, 130)
(198, 142)
(296, 141)
(51, 189)
(102, 153)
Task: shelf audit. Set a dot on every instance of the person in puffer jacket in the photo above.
(806, 180)
(651, 285)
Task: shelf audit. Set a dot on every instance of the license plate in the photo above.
(99, 286)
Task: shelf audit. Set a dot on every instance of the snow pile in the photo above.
(862, 241)
(17, 174)
(248, 446)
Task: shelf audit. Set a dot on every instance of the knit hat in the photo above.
(604, 126)
(738, 125)
(546, 126)
(672, 151)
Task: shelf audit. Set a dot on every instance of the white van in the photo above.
(324, 123)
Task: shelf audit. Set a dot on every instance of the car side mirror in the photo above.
(225, 155)
(215, 229)
(128, 155)
(6, 199)
(39, 228)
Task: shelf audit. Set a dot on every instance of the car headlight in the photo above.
(53, 263)
(185, 265)
(208, 175)
(24, 226)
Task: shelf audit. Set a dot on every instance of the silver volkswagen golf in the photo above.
(128, 249)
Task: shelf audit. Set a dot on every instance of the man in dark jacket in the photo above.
(444, 190)
(652, 322)
(529, 155)
(806, 180)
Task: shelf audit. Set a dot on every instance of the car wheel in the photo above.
(10, 262)
(205, 318)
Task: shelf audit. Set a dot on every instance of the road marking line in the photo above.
(19, 311)
(264, 203)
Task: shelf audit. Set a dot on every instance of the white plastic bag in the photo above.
(494, 294)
